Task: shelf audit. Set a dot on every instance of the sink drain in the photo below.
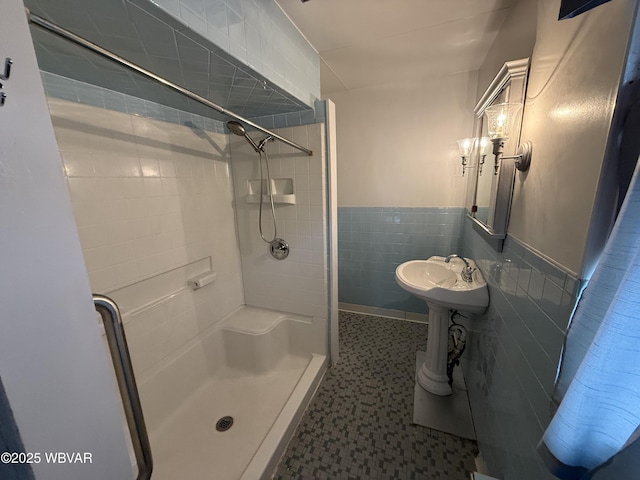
(224, 424)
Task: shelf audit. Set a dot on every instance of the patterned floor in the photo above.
(358, 425)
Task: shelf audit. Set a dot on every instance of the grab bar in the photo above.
(117, 341)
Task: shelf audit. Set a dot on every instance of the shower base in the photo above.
(257, 373)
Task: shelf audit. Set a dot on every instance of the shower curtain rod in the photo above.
(61, 32)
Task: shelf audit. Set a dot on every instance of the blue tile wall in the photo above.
(74, 91)
(156, 38)
(291, 119)
(513, 351)
(373, 241)
(320, 107)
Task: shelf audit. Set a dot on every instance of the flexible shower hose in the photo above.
(270, 193)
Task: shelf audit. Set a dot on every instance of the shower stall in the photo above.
(228, 337)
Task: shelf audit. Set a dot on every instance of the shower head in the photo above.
(237, 129)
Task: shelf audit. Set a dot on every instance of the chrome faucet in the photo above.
(455, 255)
(467, 271)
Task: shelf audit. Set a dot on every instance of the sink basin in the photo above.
(441, 284)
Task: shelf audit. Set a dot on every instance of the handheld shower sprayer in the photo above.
(277, 244)
(237, 129)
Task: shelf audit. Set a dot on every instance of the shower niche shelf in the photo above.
(282, 189)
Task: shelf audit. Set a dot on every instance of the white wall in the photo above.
(153, 205)
(515, 40)
(575, 72)
(397, 143)
(297, 284)
(56, 374)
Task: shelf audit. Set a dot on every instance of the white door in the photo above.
(54, 368)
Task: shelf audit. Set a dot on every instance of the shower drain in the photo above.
(224, 424)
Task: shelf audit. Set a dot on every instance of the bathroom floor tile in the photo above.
(359, 423)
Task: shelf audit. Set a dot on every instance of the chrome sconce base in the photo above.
(523, 157)
(465, 162)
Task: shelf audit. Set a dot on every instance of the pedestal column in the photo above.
(432, 376)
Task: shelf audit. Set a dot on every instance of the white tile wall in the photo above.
(297, 284)
(150, 197)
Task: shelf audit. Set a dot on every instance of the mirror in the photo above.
(491, 185)
(485, 175)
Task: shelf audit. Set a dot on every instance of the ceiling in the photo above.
(364, 43)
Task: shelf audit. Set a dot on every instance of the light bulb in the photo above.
(465, 146)
(501, 119)
(484, 145)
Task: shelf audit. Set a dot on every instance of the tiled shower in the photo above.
(157, 201)
(162, 194)
(157, 167)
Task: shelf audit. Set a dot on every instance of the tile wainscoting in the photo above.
(373, 241)
(512, 353)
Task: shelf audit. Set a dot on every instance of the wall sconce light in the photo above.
(466, 147)
(483, 147)
(500, 121)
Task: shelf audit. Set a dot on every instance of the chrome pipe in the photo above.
(121, 359)
(83, 42)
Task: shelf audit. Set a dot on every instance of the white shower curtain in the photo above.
(598, 388)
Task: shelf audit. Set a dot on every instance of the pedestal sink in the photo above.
(439, 282)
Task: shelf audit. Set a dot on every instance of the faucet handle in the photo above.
(467, 273)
